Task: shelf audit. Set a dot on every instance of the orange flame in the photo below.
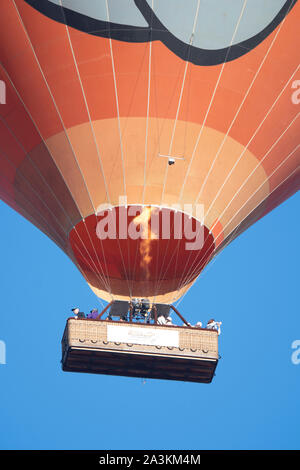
(147, 235)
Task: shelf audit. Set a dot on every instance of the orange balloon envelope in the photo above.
(143, 136)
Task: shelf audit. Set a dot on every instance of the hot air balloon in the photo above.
(143, 136)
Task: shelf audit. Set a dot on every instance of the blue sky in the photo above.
(253, 402)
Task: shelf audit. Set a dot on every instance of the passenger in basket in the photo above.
(93, 314)
(161, 320)
(214, 325)
(77, 313)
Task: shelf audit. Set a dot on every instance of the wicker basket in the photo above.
(140, 350)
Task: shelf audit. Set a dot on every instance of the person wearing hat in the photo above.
(77, 313)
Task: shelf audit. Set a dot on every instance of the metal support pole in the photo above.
(155, 314)
(180, 316)
(104, 310)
